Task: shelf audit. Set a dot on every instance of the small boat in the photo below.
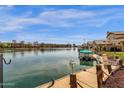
(87, 57)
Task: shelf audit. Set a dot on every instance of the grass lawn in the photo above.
(119, 54)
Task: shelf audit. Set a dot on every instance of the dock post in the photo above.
(109, 68)
(1, 70)
(73, 81)
(99, 73)
(121, 63)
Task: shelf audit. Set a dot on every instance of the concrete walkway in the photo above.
(87, 79)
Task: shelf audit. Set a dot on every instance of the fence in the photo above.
(100, 74)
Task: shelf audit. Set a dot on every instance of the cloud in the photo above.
(51, 38)
(78, 17)
(29, 36)
(67, 14)
(6, 7)
(54, 18)
(77, 36)
(57, 18)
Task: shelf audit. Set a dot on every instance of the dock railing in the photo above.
(100, 73)
(2, 60)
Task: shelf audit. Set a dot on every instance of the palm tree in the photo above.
(29, 45)
(14, 43)
(22, 44)
(42, 45)
(35, 44)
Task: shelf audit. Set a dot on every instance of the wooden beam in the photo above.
(73, 81)
(99, 73)
(109, 68)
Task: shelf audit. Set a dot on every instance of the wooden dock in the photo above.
(87, 79)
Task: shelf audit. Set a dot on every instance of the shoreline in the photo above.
(31, 49)
(88, 77)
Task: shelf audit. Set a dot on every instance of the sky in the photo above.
(59, 24)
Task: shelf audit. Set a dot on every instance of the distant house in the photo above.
(90, 44)
(117, 39)
(102, 42)
(114, 42)
(102, 45)
(122, 45)
(115, 36)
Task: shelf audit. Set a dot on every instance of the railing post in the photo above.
(109, 68)
(73, 81)
(1, 70)
(99, 73)
(121, 63)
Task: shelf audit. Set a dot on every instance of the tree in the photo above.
(22, 43)
(14, 43)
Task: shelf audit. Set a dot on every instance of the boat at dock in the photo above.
(87, 57)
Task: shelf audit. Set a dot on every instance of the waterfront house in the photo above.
(114, 42)
(101, 45)
(117, 40)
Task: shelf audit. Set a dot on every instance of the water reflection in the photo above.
(30, 68)
(22, 53)
(14, 54)
(74, 48)
(36, 51)
(42, 50)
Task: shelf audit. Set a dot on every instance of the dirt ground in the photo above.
(116, 80)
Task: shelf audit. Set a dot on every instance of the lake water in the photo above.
(32, 68)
